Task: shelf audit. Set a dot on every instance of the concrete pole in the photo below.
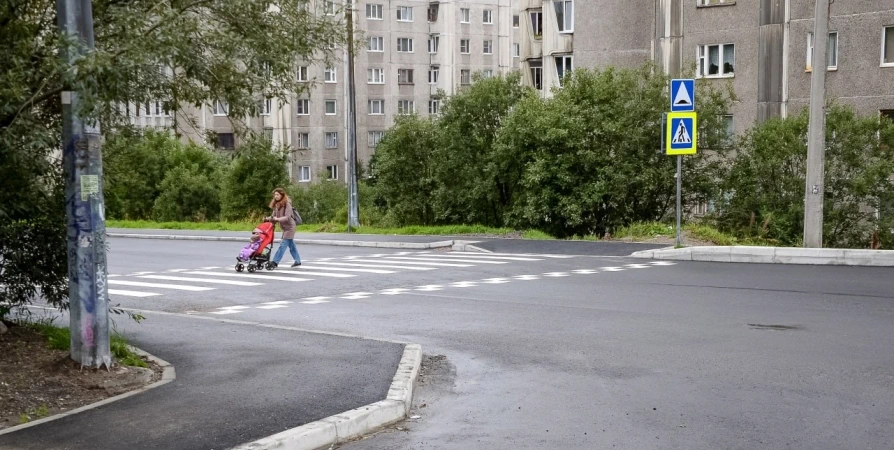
(816, 134)
(353, 201)
(82, 161)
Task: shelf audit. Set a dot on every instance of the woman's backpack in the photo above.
(296, 217)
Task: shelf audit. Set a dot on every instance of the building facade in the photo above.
(762, 47)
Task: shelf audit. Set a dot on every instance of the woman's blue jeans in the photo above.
(290, 244)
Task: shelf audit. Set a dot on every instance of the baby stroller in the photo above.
(260, 259)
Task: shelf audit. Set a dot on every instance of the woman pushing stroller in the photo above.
(285, 216)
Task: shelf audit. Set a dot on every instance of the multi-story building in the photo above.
(761, 46)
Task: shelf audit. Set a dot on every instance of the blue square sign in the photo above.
(682, 95)
(681, 136)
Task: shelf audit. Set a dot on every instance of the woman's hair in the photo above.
(282, 201)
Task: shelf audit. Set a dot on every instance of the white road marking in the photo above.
(662, 263)
(496, 280)
(394, 291)
(430, 288)
(637, 266)
(309, 272)
(230, 309)
(489, 257)
(272, 306)
(464, 284)
(125, 293)
(179, 287)
(201, 280)
(418, 263)
(584, 271)
(534, 255)
(381, 266)
(178, 270)
(527, 277)
(140, 273)
(556, 274)
(611, 269)
(315, 302)
(281, 302)
(248, 275)
(356, 295)
(472, 261)
(342, 269)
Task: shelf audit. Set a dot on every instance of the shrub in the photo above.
(256, 169)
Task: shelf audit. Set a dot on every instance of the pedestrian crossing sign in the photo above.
(681, 135)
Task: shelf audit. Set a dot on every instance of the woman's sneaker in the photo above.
(297, 263)
(273, 265)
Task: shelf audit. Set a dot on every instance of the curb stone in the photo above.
(774, 255)
(332, 242)
(168, 375)
(351, 424)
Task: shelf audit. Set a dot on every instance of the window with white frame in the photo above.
(487, 73)
(729, 130)
(330, 107)
(434, 107)
(265, 106)
(405, 45)
(268, 133)
(433, 12)
(330, 75)
(405, 13)
(516, 50)
(302, 107)
(536, 73)
(465, 15)
(373, 138)
(564, 66)
(715, 2)
(302, 73)
(404, 76)
(226, 140)
(374, 11)
(515, 21)
(406, 106)
(331, 139)
(434, 42)
(564, 15)
(464, 46)
(488, 17)
(376, 107)
(328, 7)
(434, 74)
(221, 108)
(465, 76)
(375, 76)
(154, 108)
(537, 23)
(488, 47)
(717, 60)
(303, 174)
(831, 51)
(332, 44)
(375, 44)
(332, 172)
(303, 141)
(888, 46)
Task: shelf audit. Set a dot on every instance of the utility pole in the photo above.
(816, 133)
(353, 205)
(86, 228)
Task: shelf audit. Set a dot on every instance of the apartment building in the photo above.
(762, 47)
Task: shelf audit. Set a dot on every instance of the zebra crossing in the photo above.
(144, 284)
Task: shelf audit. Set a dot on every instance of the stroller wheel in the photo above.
(240, 267)
(269, 266)
(251, 268)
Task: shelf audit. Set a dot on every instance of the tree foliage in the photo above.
(256, 169)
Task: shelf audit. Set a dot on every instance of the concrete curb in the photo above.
(351, 424)
(168, 375)
(332, 242)
(774, 255)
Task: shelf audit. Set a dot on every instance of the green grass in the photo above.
(644, 230)
(39, 413)
(711, 234)
(60, 339)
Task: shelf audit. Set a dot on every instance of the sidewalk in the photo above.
(235, 383)
(774, 255)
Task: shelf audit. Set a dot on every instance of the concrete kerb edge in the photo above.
(330, 242)
(168, 375)
(774, 255)
(343, 427)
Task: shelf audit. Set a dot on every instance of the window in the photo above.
(154, 108)
(464, 46)
(265, 106)
(434, 74)
(831, 51)
(329, 75)
(332, 44)
(373, 138)
(433, 13)
(465, 76)
(304, 174)
(405, 45)
(516, 50)
(302, 107)
(565, 15)
(221, 108)
(715, 2)
(303, 141)
(888, 46)
(464, 16)
(406, 106)
(434, 42)
(515, 21)
(716, 60)
(328, 8)
(564, 66)
(268, 133)
(404, 76)
(302, 73)
(330, 107)
(405, 13)
(376, 107)
(374, 11)
(331, 139)
(488, 17)
(487, 73)
(887, 114)
(488, 47)
(375, 44)
(375, 76)
(331, 172)
(537, 23)
(434, 107)
(729, 131)
(536, 74)
(226, 140)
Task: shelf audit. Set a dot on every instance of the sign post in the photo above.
(681, 135)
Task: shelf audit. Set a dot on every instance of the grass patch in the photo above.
(711, 234)
(644, 230)
(536, 235)
(122, 351)
(39, 413)
(59, 338)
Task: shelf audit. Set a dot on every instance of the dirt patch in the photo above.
(37, 381)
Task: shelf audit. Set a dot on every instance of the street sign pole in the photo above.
(680, 136)
(679, 197)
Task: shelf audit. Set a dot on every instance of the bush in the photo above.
(134, 166)
(254, 172)
(33, 262)
(319, 203)
(187, 194)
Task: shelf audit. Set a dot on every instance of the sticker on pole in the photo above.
(682, 95)
(681, 134)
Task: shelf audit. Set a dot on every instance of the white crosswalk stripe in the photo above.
(315, 300)
(394, 291)
(179, 287)
(340, 269)
(414, 258)
(533, 255)
(126, 293)
(485, 257)
(419, 263)
(201, 280)
(496, 280)
(356, 295)
(312, 271)
(382, 266)
(247, 275)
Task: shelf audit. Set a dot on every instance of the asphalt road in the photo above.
(582, 352)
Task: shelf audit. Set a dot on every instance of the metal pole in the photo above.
(353, 206)
(679, 197)
(82, 161)
(816, 134)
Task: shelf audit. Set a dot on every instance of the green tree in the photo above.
(320, 202)
(256, 169)
(134, 165)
